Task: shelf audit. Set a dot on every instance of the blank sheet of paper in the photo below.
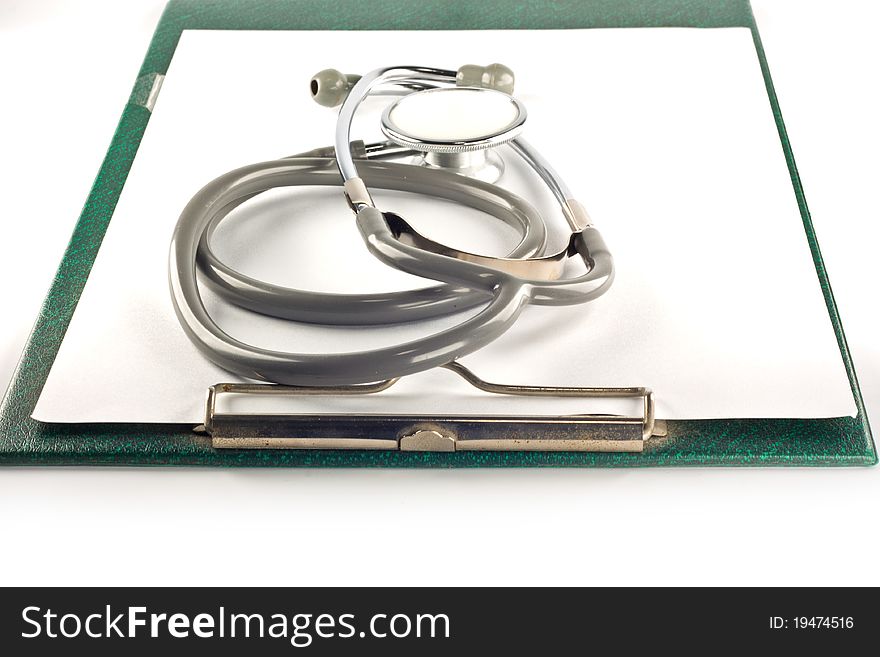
(666, 135)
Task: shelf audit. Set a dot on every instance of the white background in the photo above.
(67, 69)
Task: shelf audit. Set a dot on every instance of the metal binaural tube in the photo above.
(360, 91)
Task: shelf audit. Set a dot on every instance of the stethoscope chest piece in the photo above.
(456, 128)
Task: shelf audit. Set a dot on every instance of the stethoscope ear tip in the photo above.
(330, 87)
(494, 76)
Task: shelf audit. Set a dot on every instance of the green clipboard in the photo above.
(24, 441)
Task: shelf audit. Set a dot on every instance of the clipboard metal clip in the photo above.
(416, 433)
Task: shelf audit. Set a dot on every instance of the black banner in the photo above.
(430, 621)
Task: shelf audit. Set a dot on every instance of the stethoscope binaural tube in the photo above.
(541, 276)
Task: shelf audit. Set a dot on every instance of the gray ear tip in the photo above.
(494, 76)
(329, 87)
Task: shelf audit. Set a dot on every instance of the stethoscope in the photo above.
(448, 166)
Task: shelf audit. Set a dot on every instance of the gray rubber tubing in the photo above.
(507, 294)
(506, 301)
(375, 308)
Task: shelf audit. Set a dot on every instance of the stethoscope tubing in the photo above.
(381, 307)
(503, 307)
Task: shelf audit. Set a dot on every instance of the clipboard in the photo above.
(358, 441)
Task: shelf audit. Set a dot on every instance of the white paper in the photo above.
(666, 135)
